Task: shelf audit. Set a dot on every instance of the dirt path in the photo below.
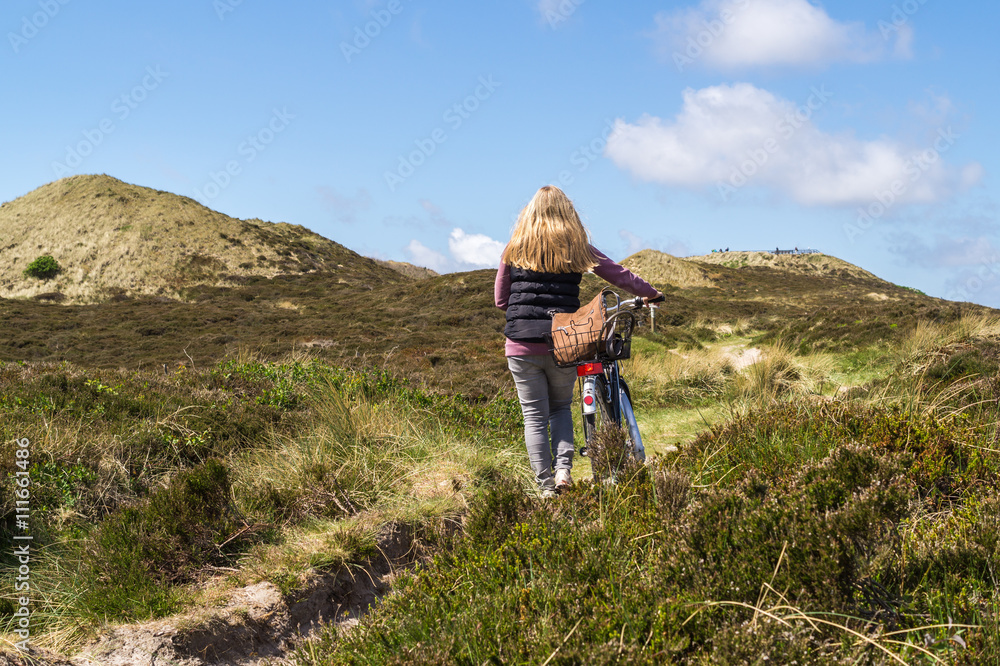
(257, 625)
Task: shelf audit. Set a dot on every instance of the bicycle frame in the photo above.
(609, 368)
(614, 393)
(615, 396)
(612, 382)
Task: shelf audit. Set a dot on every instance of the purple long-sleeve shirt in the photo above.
(607, 269)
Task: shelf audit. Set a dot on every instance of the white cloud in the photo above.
(972, 263)
(476, 250)
(635, 243)
(904, 43)
(729, 136)
(945, 251)
(730, 34)
(934, 109)
(421, 255)
(468, 251)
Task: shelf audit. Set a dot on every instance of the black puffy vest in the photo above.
(533, 295)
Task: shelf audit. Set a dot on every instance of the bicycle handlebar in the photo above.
(636, 303)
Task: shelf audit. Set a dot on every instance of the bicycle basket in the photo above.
(576, 336)
(589, 334)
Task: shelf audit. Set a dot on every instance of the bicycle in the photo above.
(605, 398)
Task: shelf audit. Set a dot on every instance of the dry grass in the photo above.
(743, 378)
(944, 368)
(918, 351)
(805, 264)
(677, 377)
(408, 269)
(364, 463)
(672, 366)
(112, 238)
(778, 374)
(661, 268)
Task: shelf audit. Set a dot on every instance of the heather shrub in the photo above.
(43, 268)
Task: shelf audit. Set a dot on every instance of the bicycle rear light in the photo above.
(589, 394)
(589, 369)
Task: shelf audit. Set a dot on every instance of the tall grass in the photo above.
(797, 561)
(944, 368)
(360, 454)
(674, 377)
(742, 377)
(928, 336)
(146, 485)
(780, 373)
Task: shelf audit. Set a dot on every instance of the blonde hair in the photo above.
(549, 236)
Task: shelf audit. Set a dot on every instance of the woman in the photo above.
(540, 272)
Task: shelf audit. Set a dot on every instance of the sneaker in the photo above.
(548, 494)
(563, 479)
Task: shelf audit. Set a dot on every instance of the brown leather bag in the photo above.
(576, 336)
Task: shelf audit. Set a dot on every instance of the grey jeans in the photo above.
(546, 395)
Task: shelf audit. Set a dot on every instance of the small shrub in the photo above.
(611, 455)
(43, 268)
(165, 539)
(673, 490)
(963, 364)
(496, 510)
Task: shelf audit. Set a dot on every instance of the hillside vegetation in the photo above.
(807, 264)
(409, 270)
(115, 239)
(243, 469)
(665, 269)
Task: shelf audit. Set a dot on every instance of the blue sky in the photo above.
(416, 130)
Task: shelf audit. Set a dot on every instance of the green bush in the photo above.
(138, 550)
(43, 268)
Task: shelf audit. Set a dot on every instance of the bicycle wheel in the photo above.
(602, 417)
(629, 422)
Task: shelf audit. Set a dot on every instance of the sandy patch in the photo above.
(744, 359)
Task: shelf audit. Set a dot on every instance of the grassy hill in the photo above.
(665, 269)
(809, 264)
(443, 331)
(215, 473)
(415, 272)
(116, 239)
